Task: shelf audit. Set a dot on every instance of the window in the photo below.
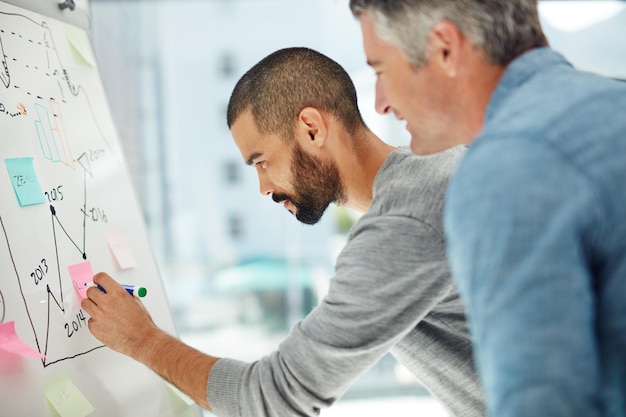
(235, 226)
(204, 46)
(232, 174)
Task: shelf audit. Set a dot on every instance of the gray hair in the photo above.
(504, 29)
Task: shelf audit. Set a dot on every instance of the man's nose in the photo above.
(266, 187)
(381, 104)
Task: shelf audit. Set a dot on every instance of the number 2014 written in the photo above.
(77, 324)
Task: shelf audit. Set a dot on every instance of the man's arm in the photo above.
(517, 219)
(388, 277)
(122, 323)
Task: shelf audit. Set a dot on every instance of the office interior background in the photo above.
(238, 269)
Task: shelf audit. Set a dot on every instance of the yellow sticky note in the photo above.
(64, 397)
(179, 399)
(188, 413)
(79, 41)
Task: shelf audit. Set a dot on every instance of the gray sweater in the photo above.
(392, 291)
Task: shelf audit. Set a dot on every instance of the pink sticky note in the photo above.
(82, 275)
(10, 341)
(120, 248)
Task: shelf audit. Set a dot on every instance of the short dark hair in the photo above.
(279, 86)
(504, 29)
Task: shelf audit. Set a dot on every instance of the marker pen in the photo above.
(131, 289)
(135, 290)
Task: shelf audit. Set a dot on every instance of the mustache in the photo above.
(280, 197)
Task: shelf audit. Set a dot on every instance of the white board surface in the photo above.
(53, 109)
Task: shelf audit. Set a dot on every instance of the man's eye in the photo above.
(261, 164)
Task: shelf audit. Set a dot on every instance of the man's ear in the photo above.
(311, 127)
(444, 47)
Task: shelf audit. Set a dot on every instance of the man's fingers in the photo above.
(94, 294)
(100, 277)
(90, 325)
(105, 281)
(88, 305)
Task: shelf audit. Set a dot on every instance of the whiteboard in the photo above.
(53, 109)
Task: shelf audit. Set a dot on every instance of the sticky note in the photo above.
(24, 181)
(120, 249)
(10, 342)
(178, 397)
(81, 47)
(81, 275)
(65, 398)
(188, 413)
(180, 401)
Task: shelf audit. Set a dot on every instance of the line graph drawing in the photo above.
(55, 318)
(55, 292)
(55, 115)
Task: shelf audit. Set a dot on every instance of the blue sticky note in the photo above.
(24, 181)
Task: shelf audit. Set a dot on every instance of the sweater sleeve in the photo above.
(388, 277)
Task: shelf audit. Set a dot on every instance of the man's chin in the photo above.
(418, 147)
(308, 218)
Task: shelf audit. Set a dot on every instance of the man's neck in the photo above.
(359, 161)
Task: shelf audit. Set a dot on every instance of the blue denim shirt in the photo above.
(536, 226)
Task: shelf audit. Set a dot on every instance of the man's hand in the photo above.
(121, 322)
(118, 319)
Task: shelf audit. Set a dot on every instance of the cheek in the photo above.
(419, 96)
(400, 87)
(391, 86)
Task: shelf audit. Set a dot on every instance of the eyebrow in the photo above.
(252, 157)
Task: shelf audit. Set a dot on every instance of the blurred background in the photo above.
(238, 269)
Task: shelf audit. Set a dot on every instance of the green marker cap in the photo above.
(141, 291)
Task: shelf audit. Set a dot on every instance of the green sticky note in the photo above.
(24, 181)
(64, 397)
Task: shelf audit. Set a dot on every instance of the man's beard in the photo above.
(316, 184)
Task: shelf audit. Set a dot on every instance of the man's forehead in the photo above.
(253, 144)
(245, 134)
(373, 46)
